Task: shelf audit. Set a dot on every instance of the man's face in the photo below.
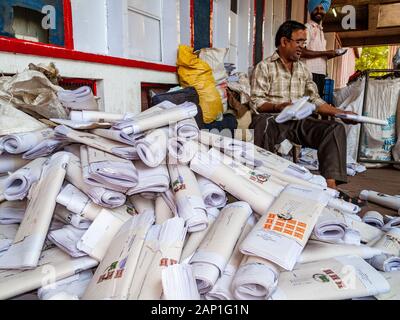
(292, 48)
(318, 14)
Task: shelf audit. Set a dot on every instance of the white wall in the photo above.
(184, 21)
(243, 35)
(222, 9)
(119, 87)
(89, 22)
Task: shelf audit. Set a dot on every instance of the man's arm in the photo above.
(309, 54)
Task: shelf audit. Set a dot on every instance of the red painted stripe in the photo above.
(39, 49)
(192, 23)
(68, 29)
(211, 22)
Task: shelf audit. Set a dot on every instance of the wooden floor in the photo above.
(384, 180)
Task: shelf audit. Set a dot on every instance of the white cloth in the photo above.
(23, 142)
(283, 231)
(188, 198)
(212, 256)
(385, 263)
(18, 184)
(12, 212)
(66, 239)
(213, 195)
(179, 284)
(102, 169)
(151, 179)
(79, 99)
(152, 148)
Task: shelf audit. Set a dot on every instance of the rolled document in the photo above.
(118, 135)
(344, 206)
(222, 288)
(188, 197)
(22, 142)
(297, 111)
(18, 184)
(103, 169)
(213, 195)
(78, 203)
(45, 148)
(101, 232)
(100, 196)
(52, 261)
(74, 286)
(113, 277)
(169, 199)
(92, 140)
(316, 251)
(142, 205)
(186, 129)
(7, 235)
(212, 256)
(152, 148)
(362, 119)
(283, 231)
(162, 210)
(12, 212)
(158, 119)
(80, 125)
(95, 116)
(194, 239)
(151, 179)
(224, 176)
(182, 150)
(385, 263)
(179, 284)
(170, 243)
(11, 163)
(25, 251)
(374, 219)
(331, 227)
(79, 99)
(392, 223)
(394, 280)
(256, 279)
(390, 242)
(65, 216)
(66, 239)
(333, 279)
(392, 202)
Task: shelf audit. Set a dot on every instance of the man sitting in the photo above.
(282, 78)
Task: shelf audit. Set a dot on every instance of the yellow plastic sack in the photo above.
(194, 72)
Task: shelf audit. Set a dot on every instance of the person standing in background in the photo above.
(315, 54)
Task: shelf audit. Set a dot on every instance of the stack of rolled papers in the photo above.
(179, 284)
(385, 263)
(374, 219)
(79, 99)
(150, 179)
(188, 197)
(66, 239)
(299, 110)
(212, 256)
(74, 286)
(332, 279)
(289, 223)
(213, 195)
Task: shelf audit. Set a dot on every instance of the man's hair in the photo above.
(286, 30)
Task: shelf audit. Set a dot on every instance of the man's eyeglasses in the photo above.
(300, 43)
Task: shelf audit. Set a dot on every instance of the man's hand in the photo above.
(329, 110)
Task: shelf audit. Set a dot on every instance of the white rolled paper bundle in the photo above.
(101, 232)
(151, 179)
(12, 212)
(113, 277)
(65, 216)
(79, 125)
(22, 142)
(186, 129)
(11, 162)
(95, 116)
(344, 206)
(224, 176)
(213, 195)
(17, 282)
(188, 198)
(119, 149)
(28, 243)
(212, 256)
(283, 231)
(100, 196)
(152, 148)
(7, 235)
(79, 99)
(66, 239)
(170, 243)
(394, 281)
(385, 263)
(162, 210)
(142, 205)
(179, 284)
(392, 202)
(18, 184)
(182, 150)
(222, 288)
(256, 279)
(74, 286)
(158, 119)
(45, 148)
(118, 135)
(169, 199)
(194, 239)
(392, 223)
(390, 242)
(374, 219)
(329, 279)
(102, 169)
(317, 250)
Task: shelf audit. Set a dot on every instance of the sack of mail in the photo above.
(148, 206)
